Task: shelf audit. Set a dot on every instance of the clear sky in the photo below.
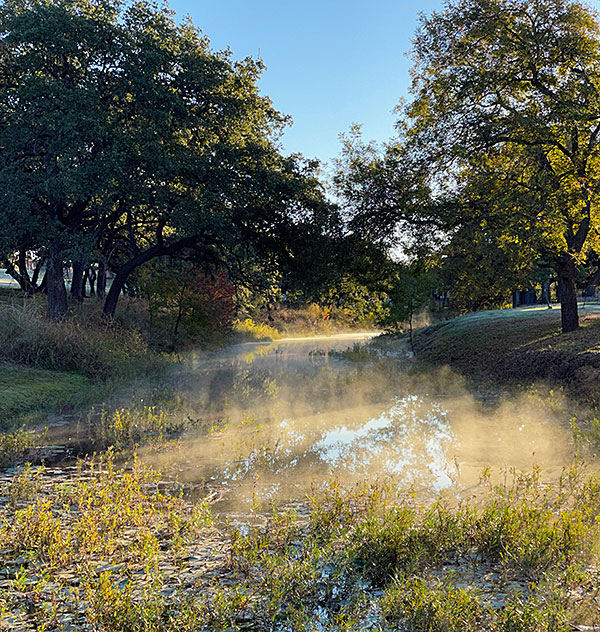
(330, 63)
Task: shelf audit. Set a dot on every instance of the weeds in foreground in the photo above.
(103, 537)
(108, 548)
(507, 563)
(16, 446)
(431, 607)
(158, 426)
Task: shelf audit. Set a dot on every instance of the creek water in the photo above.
(281, 418)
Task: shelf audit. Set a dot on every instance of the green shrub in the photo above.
(249, 330)
(426, 608)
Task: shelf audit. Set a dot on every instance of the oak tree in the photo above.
(507, 99)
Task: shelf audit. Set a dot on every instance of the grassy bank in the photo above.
(82, 342)
(48, 367)
(27, 394)
(517, 346)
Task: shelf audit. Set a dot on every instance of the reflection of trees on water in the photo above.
(234, 387)
(270, 390)
(306, 390)
(251, 385)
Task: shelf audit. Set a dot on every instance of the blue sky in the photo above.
(329, 63)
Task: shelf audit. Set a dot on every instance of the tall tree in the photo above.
(124, 137)
(507, 95)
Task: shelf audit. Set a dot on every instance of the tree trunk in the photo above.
(84, 282)
(101, 280)
(567, 275)
(57, 293)
(91, 279)
(20, 273)
(43, 286)
(410, 332)
(179, 313)
(36, 275)
(120, 280)
(546, 293)
(592, 284)
(116, 287)
(77, 282)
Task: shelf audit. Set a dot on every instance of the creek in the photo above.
(283, 417)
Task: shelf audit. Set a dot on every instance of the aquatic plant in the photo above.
(117, 548)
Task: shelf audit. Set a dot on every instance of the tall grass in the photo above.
(127, 428)
(314, 318)
(93, 347)
(248, 330)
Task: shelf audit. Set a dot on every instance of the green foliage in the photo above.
(187, 305)
(147, 144)
(483, 267)
(411, 291)
(519, 142)
(431, 608)
(496, 164)
(354, 275)
(386, 194)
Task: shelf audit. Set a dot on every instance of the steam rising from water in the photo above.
(296, 417)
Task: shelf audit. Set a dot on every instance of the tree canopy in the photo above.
(502, 132)
(124, 137)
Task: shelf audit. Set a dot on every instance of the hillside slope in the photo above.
(518, 345)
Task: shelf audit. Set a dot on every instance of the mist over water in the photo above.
(281, 418)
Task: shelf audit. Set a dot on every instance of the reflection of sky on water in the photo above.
(403, 440)
(306, 415)
(409, 440)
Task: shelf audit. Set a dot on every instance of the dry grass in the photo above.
(314, 319)
(84, 344)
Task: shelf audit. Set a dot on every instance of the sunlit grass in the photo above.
(249, 330)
